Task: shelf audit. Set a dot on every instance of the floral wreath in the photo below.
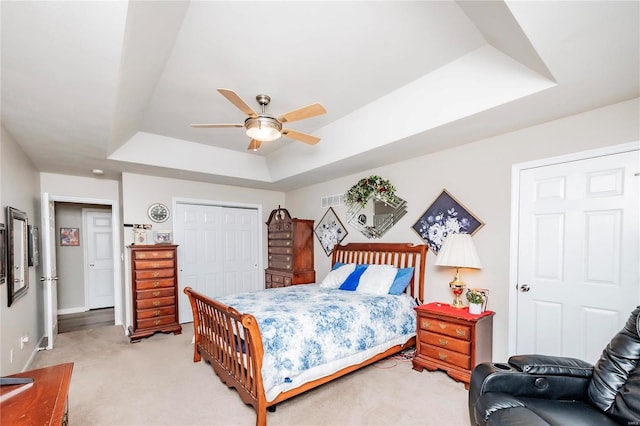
(361, 191)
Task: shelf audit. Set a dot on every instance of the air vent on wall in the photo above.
(332, 200)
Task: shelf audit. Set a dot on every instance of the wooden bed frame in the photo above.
(238, 362)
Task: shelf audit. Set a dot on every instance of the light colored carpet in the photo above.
(155, 382)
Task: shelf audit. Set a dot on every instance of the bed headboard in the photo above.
(400, 255)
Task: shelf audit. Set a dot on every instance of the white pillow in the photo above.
(335, 278)
(377, 279)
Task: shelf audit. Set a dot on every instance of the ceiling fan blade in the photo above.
(302, 137)
(302, 113)
(216, 126)
(254, 145)
(238, 102)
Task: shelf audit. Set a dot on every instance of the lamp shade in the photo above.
(458, 251)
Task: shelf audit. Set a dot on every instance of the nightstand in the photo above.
(452, 340)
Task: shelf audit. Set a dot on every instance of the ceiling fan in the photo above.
(264, 127)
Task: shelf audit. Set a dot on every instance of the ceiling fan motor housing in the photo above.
(263, 128)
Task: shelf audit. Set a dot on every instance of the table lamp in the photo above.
(458, 251)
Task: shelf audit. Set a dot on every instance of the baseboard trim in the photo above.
(72, 310)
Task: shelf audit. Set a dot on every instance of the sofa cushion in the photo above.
(565, 412)
(615, 385)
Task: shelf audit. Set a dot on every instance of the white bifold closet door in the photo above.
(217, 251)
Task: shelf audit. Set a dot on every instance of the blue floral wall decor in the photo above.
(445, 216)
(330, 231)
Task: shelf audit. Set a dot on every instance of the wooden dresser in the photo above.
(452, 340)
(43, 403)
(154, 286)
(290, 244)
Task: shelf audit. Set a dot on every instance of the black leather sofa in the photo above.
(548, 390)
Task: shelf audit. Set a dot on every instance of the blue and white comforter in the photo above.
(309, 332)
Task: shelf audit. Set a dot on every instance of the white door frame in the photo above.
(117, 256)
(515, 214)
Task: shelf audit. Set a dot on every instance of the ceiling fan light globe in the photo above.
(264, 129)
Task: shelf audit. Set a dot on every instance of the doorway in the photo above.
(58, 274)
(574, 251)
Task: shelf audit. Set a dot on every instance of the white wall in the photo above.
(140, 191)
(20, 189)
(479, 175)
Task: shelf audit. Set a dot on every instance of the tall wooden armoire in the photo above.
(290, 246)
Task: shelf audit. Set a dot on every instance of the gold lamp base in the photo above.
(457, 288)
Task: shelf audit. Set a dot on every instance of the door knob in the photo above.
(524, 288)
(91, 264)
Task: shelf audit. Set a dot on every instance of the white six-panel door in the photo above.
(99, 257)
(578, 255)
(217, 251)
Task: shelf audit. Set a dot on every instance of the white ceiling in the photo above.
(116, 85)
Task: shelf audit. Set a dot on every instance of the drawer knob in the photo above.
(443, 342)
(156, 284)
(155, 254)
(156, 274)
(156, 303)
(156, 313)
(442, 326)
(443, 357)
(157, 322)
(155, 265)
(461, 332)
(156, 293)
(426, 324)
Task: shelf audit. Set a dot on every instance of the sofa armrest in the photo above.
(551, 365)
(510, 379)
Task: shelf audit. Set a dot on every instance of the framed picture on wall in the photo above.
(445, 216)
(330, 231)
(69, 237)
(34, 245)
(3, 254)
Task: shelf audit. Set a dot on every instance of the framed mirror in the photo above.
(17, 254)
(377, 215)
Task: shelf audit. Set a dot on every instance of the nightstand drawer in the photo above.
(443, 327)
(456, 345)
(446, 356)
(159, 254)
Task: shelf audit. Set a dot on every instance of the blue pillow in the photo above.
(352, 281)
(336, 265)
(401, 281)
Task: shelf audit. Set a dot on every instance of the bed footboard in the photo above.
(231, 343)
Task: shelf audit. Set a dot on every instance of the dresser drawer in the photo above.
(280, 243)
(446, 356)
(280, 235)
(443, 327)
(279, 279)
(280, 226)
(280, 265)
(154, 313)
(160, 292)
(281, 250)
(156, 322)
(280, 258)
(151, 284)
(153, 264)
(442, 341)
(153, 254)
(155, 303)
(155, 273)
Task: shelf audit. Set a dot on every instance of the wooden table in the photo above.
(44, 403)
